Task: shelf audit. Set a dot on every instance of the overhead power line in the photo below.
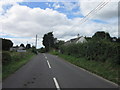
(94, 11)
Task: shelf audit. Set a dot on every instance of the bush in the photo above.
(34, 51)
(6, 44)
(94, 50)
(5, 57)
(42, 50)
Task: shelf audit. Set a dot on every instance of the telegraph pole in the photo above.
(36, 42)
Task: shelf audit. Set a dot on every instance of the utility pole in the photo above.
(36, 42)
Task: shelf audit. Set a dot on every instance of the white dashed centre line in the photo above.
(45, 57)
(48, 64)
(56, 83)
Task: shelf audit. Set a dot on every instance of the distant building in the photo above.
(17, 49)
(21, 48)
(81, 40)
(76, 40)
(14, 48)
(114, 39)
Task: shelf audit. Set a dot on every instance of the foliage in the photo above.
(17, 60)
(48, 41)
(118, 40)
(100, 35)
(6, 44)
(34, 50)
(28, 46)
(105, 70)
(42, 50)
(58, 44)
(6, 58)
(54, 52)
(94, 50)
(22, 45)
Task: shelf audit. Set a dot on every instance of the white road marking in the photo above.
(48, 64)
(45, 57)
(56, 83)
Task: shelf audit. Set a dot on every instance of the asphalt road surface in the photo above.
(49, 71)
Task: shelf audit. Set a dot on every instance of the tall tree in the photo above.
(22, 45)
(28, 46)
(6, 44)
(48, 41)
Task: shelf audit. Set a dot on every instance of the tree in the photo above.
(101, 35)
(34, 50)
(6, 44)
(22, 45)
(28, 46)
(118, 40)
(48, 41)
(58, 44)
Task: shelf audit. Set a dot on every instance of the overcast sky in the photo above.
(21, 21)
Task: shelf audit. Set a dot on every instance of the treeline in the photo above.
(99, 48)
(7, 44)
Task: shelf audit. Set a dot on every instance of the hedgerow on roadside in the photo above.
(103, 51)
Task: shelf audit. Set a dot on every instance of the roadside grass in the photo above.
(18, 60)
(105, 70)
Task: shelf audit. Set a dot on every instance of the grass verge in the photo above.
(105, 70)
(18, 60)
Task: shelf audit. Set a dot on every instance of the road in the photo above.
(49, 71)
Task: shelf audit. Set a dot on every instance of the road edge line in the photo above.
(91, 73)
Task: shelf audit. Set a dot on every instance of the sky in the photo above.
(21, 21)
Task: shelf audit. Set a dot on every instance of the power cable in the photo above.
(95, 10)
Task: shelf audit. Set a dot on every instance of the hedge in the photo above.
(94, 50)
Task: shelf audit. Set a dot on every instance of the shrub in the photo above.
(5, 57)
(6, 44)
(42, 50)
(94, 50)
(34, 51)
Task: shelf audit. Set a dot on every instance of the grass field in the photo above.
(18, 60)
(106, 70)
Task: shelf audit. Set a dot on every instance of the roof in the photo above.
(74, 40)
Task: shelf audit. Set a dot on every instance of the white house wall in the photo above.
(81, 40)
